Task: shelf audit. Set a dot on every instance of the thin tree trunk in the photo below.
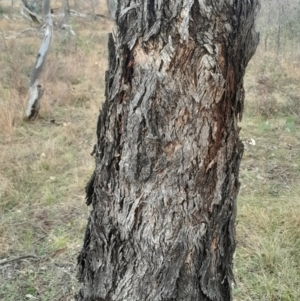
(278, 37)
(168, 153)
(66, 12)
(35, 89)
(266, 41)
(112, 8)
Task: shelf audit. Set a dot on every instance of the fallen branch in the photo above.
(19, 33)
(77, 14)
(4, 262)
(6, 17)
(69, 29)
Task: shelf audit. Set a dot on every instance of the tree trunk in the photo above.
(167, 159)
(31, 10)
(66, 11)
(35, 89)
(278, 35)
(112, 8)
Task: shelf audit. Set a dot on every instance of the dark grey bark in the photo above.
(168, 153)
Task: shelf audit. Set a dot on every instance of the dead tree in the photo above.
(35, 89)
(163, 194)
(112, 8)
(32, 9)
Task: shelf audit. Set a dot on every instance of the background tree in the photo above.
(279, 23)
(112, 8)
(32, 9)
(168, 153)
(35, 89)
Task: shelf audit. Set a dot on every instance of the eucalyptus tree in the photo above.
(279, 23)
(164, 189)
(112, 8)
(32, 9)
(35, 89)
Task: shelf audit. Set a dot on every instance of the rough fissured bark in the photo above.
(168, 153)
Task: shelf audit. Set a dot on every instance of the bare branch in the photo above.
(28, 13)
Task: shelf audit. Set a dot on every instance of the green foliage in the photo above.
(264, 126)
(290, 125)
(4, 9)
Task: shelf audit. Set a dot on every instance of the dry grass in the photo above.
(268, 226)
(45, 165)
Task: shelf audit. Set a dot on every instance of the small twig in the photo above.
(4, 42)
(77, 14)
(18, 34)
(17, 259)
(28, 29)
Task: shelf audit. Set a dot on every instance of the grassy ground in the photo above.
(46, 163)
(268, 223)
